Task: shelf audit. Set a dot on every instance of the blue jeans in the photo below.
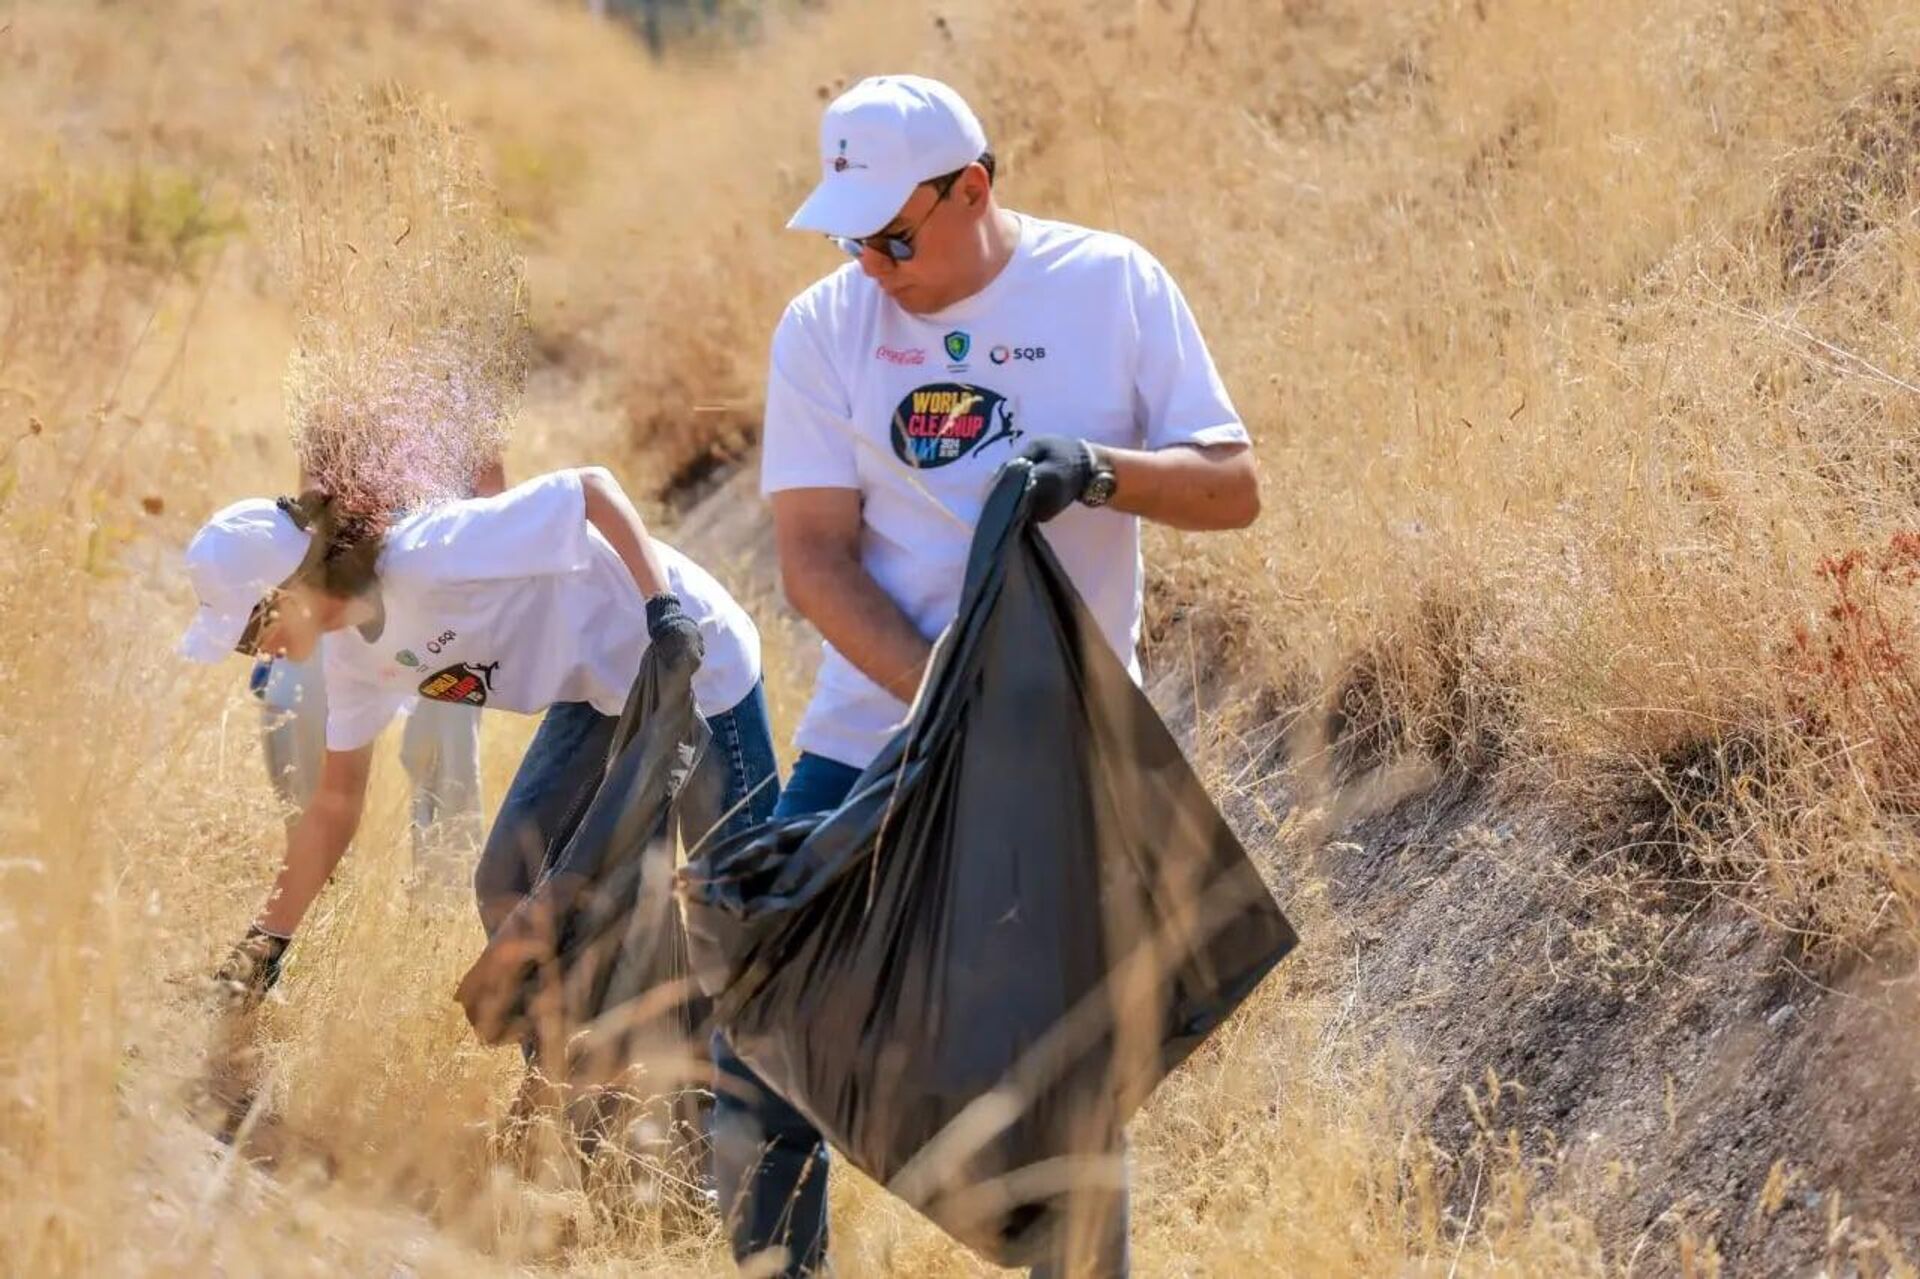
(770, 1162)
(561, 770)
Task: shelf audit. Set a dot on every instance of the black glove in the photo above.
(1062, 468)
(674, 635)
(250, 969)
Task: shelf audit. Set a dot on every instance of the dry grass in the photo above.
(1578, 341)
(411, 339)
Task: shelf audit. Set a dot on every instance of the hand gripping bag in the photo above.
(1025, 915)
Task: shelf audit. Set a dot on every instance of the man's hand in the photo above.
(674, 635)
(1062, 468)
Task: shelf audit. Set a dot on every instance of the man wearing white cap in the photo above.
(961, 336)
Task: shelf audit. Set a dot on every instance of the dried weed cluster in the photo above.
(412, 338)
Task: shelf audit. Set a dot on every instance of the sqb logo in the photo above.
(441, 641)
(1002, 354)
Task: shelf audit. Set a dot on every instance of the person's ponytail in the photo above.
(345, 551)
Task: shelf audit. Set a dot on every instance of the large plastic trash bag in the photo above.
(592, 965)
(1027, 913)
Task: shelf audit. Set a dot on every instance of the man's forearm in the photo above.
(314, 847)
(861, 621)
(1198, 489)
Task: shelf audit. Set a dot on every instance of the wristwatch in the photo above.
(1099, 490)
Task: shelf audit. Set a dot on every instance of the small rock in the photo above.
(1778, 1017)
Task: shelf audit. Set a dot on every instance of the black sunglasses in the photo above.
(899, 247)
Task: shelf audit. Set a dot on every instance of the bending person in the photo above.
(543, 598)
(439, 748)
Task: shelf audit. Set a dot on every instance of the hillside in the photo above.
(1568, 689)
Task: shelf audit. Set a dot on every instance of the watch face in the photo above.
(1099, 489)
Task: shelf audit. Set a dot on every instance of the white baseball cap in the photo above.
(238, 556)
(878, 141)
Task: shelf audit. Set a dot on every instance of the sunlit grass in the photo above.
(1576, 341)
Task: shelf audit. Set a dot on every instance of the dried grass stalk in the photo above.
(412, 336)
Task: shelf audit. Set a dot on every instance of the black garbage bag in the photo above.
(1025, 915)
(593, 963)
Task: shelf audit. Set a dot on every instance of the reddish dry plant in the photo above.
(1855, 676)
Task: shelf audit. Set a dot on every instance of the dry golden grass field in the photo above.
(1569, 688)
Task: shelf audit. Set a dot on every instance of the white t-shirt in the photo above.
(516, 602)
(1081, 334)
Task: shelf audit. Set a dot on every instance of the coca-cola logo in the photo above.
(897, 355)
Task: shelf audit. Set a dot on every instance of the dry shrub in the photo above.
(1817, 820)
(99, 244)
(1856, 677)
(1510, 327)
(1430, 673)
(412, 340)
(1863, 172)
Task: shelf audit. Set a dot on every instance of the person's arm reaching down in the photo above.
(317, 841)
(675, 635)
(609, 511)
(817, 532)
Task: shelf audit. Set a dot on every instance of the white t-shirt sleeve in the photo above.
(534, 528)
(357, 707)
(1178, 395)
(808, 437)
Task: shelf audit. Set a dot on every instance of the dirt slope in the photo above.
(1662, 1063)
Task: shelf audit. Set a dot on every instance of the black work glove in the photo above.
(1062, 468)
(674, 635)
(250, 970)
